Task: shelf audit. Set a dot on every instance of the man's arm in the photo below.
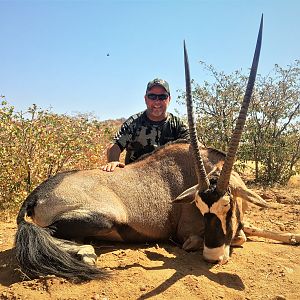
(113, 157)
(183, 130)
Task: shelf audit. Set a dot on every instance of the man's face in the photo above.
(156, 108)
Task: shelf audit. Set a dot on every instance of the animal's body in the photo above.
(133, 204)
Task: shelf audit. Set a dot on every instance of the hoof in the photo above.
(193, 243)
(87, 254)
(89, 260)
(239, 239)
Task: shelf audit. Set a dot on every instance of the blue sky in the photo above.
(54, 53)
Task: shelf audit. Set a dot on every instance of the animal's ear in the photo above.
(239, 189)
(252, 197)
(187, 196)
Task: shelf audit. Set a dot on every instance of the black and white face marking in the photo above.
(209, 202)
(217, 212)
(219, 208)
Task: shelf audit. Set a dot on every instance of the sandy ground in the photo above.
(261, 269)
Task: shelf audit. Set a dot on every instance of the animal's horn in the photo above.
(236, 136)
(203, 181)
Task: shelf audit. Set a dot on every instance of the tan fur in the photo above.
(139, 195)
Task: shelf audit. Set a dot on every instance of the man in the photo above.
(144, 132)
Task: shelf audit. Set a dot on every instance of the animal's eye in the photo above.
(226, 204)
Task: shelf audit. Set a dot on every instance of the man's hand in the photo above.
(110, 167)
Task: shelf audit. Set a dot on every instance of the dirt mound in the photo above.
(261, 269)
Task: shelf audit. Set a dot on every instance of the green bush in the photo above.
(37, 144)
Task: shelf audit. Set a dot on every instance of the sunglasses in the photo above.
(160, 97)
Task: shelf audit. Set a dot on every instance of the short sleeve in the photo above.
(125, 134)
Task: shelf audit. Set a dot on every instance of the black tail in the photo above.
(39, 254)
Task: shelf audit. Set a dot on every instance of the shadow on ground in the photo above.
(185, 264)
(9, 270)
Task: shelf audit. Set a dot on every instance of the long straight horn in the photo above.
(203, 181)
(236, 136)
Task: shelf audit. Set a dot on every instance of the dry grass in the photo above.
(294, 181)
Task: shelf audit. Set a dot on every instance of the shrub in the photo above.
(38, 143)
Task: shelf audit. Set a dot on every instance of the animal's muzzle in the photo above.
(218, 255)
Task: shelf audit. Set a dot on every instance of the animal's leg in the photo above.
(190, 228)
(239, 239)
(288, 238)
(82, 224)
(193, 243)
(86, 253)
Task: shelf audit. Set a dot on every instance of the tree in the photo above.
(271, 137)
(274, 118)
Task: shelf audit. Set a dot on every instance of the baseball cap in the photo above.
(158, 81)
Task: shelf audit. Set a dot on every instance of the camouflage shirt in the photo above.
(139, 135)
